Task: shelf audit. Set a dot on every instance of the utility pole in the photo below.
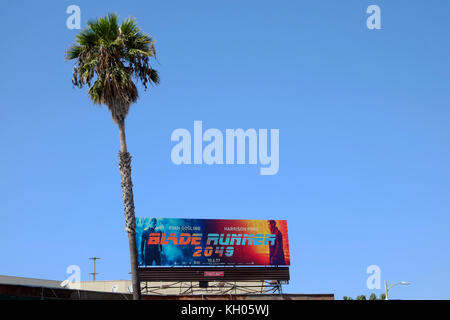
(94, 273)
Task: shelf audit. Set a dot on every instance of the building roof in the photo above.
(33, 282)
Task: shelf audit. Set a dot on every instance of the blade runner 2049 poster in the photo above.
(206, 242)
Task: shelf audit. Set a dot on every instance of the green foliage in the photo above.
(373, 296)
(107, 59)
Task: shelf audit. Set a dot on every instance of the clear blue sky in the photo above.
(364, 119)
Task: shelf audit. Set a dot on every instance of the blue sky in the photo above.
(364, 121)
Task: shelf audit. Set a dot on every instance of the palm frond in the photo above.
(109, 57)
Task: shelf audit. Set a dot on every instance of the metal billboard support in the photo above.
(226, 280)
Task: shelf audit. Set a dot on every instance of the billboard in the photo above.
(211, 242)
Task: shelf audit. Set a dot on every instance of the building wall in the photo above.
(119, 286)
(31, 288)
(21, 292)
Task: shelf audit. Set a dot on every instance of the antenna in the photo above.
(94, 273)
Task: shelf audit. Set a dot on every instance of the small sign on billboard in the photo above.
(213, 273)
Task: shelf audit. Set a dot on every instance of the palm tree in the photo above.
(109, 59)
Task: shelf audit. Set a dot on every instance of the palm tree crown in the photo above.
(109, 57)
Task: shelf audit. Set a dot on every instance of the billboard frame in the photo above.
(262, 279)
(232, 273)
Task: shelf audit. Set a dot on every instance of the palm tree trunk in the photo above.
(128, 201)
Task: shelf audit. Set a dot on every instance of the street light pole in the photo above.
(386, 291)
(386, 288)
